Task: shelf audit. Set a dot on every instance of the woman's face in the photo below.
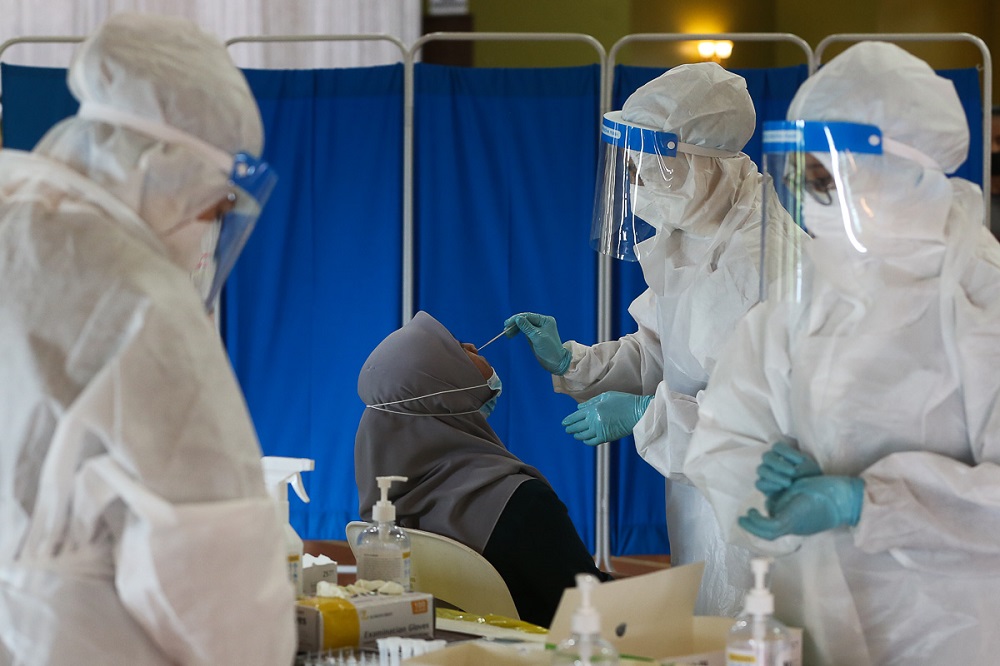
(484, 367)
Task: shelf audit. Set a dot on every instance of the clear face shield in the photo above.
(634, 164)
(822, 173)
(252, 181)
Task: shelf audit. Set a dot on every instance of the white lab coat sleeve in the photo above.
(631, 364)
(933, 511)
(199, 557)
(664, 432)
(742, 411)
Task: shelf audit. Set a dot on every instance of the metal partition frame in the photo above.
(601, 535)
(604, 289)
(41, 39)
(939, 37)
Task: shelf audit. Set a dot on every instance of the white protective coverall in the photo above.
(888, 372)
(702, 272)
(136, 526)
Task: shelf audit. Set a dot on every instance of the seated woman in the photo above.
(428, 397)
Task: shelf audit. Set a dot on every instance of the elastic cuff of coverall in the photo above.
(564, 363)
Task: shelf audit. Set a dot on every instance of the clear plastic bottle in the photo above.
(383, 549)
(757, 639)
(585, 645)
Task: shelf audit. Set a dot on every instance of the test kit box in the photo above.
(325, 623)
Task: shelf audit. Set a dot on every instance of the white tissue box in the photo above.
(314, 574)
(325, 623)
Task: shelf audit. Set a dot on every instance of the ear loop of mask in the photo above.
(381, 406)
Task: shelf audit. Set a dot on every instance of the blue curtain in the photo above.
(318, 285)
(34, 99)
(505, 165)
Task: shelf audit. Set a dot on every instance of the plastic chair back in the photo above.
(452, 572)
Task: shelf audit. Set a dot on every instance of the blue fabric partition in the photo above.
(318, 285)
(34, 99)
(505, 164)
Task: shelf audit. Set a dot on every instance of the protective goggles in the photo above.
(637, 172)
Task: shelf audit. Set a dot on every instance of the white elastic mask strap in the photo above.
(910, 153)
(157, 130)
(385, 406)
(703, 151)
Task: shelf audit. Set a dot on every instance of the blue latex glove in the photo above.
(810, 505)
(543, 336)
(781, 466)
(606, 417)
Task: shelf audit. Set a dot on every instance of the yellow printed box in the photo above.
(327, 622)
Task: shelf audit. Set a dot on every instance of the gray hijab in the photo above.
(460, 473)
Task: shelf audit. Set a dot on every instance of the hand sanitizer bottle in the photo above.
(757, 639)
(585, 645)
(383, 550)
(278, 474)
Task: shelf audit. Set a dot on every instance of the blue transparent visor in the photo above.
(253, 180)
(615, 228)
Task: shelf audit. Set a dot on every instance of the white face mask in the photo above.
(496, 385)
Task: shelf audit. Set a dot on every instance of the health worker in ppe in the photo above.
(674, 191)
(428, 398)
(862, 394)
(136, 526)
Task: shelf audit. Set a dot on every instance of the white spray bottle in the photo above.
(757, 639)
(585, 645)
(279, 473)
(383, 549)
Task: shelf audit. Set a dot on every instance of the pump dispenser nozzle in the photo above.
(585, 645)
(759, 600)
(586, 620)
(384, 511)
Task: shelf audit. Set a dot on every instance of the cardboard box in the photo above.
(314, 574)
(326, 623)
(652, 616)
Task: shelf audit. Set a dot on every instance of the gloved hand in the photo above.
(781, 466)
(543, 336)
(606, 417)
(810, 505)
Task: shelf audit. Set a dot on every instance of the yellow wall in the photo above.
(609, 20)
(601, 19)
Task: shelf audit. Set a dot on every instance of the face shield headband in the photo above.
(251, 182)
(616, 226)
(823, 175)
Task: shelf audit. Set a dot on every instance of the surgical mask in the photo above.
(494, 384)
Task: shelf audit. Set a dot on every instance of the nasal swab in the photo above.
(495, 338)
